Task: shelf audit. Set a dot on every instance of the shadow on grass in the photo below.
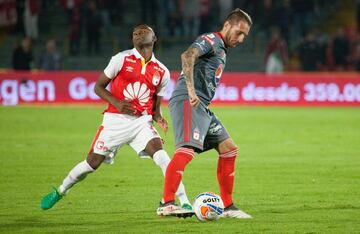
(36, 222)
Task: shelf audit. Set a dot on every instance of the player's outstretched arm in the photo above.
(163, 124)
(101, 91)
(188, 60)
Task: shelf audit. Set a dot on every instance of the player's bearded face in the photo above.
(143, 36)
(236, 33)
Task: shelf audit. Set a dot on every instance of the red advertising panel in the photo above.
(342, 89)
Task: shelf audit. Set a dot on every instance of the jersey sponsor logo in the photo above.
(129, 69)
(130, 60)
(218, 74)
(137, 91)
(156, 78)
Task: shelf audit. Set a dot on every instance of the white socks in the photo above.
(78, 173)
(81, 170)
(161, 158)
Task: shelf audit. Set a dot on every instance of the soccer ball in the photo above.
(208, 206)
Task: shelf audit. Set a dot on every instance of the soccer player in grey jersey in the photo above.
(196, 128)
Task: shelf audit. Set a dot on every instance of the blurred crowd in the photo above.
(292, 30)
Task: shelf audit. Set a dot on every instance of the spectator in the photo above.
(358, 14)
(283, 19)
(93, 28)
(70, 6)
(75, 32)
(266, 18)
(20, 8)
(105, 9)
(149, 11)
(204, 16)
(322, 41)
(225, 7)
(31, 13)
(174, 26)
(340, 50)
(276, 54)
(22, 56)
(357, 54)
(303, 16)
(191, 17)
(50, 59)
(309, 53)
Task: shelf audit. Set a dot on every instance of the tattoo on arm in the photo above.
(188, 60)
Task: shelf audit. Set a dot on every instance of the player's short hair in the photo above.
(236, 15)
(142, 25)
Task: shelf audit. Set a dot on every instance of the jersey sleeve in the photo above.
(165, 80)
(204, 44)
(114, 66)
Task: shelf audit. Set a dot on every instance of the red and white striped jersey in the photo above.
(135, 81)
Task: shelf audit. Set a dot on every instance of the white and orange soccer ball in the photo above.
(208, 206)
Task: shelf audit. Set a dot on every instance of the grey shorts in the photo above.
(195, 126)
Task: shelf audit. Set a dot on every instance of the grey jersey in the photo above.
(207, 69)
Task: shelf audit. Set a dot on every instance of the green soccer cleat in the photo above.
(186, 206)
(50, 199)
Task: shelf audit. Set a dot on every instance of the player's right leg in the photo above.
(173, 177)
(77, 174)
(190, 125)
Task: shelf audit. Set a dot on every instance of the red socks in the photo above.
(225, 174)
(174, 172)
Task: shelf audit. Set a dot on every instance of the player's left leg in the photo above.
(226, 174)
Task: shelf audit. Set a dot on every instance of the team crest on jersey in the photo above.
(196, 134)
(137, 91)
(218, 73)
(156, 78)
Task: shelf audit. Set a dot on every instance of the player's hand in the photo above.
(125, 107)
(163, 124)
(194, 99)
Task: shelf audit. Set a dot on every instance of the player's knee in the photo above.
(153, 146)
(95, 160)
(226, 146)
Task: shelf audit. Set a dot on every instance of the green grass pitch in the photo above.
(298, 171)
